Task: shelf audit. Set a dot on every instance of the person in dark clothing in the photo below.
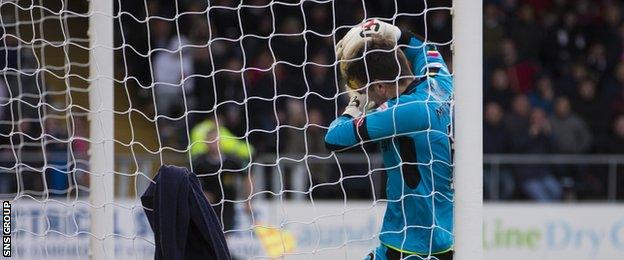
(543, 96)
(616, 146)
(569, 135)
(537, 181)
(526, 33)
(499, 90)
(496, 141)
(592, 108)
(496, 138)
(614, 142)
(218, 173)
(613, 91)
(517, 122)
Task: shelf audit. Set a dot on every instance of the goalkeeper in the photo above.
(412, 124)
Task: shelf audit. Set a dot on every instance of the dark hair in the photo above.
(384, 62)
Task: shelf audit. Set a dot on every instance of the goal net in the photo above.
(96, 95)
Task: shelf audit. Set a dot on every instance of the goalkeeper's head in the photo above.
(378, 68)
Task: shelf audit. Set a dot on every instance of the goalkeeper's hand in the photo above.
(346, 48)
(356, 106)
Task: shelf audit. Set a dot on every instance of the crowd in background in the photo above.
(264, 75)
(553, 83)
(558, 59)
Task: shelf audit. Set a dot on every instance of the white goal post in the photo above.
(102, 129)
(468, 176)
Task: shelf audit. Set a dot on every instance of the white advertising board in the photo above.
(329, 230)
(554, 231)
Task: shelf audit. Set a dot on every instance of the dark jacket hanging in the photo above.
(184, 224)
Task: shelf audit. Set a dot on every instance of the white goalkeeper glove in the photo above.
(356, 106)
(345, 49)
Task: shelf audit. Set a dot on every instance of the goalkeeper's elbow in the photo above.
(339, 136)
(331, 141)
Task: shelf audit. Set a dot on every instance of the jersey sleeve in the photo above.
(406, 117)
(341, 133)
(421, 54)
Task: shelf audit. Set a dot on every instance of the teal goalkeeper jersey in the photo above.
(415, 134)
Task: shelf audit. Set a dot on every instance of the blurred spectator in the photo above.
(315, 133)
(204, 88)
(439, 27)
(592, 108)
(570, 135)
(612, 13)
(526, 33)
(7, 180)
(9, 55)
(613, 87)
(160, 33)
(569, 132)
(611, 144)
(172, 86)
(4, 102)
(228, 143)
(596, 58)
(293, 147)
(171, 71)
(517, 122)
(543, 95)
(537, 181)
(615, 144)
(261, 105)
(496, 138)
(25, 143)
(234, 119)
(291, 47)
(218, 173)
(57, 176)
(571, 76)
(496, 141)
(521, 73)
(493, 31)
(538, 139)
(498, 90)
(323, 87)
(292, 130)
(80, 148)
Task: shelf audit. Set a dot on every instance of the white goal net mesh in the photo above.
(240, 92)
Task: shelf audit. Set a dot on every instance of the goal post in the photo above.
(102, 129)
(468, 176)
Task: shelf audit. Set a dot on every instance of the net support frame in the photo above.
(101, 130)
(468, 173)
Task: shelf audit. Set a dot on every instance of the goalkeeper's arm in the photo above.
(424, 56)
(352, 127)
